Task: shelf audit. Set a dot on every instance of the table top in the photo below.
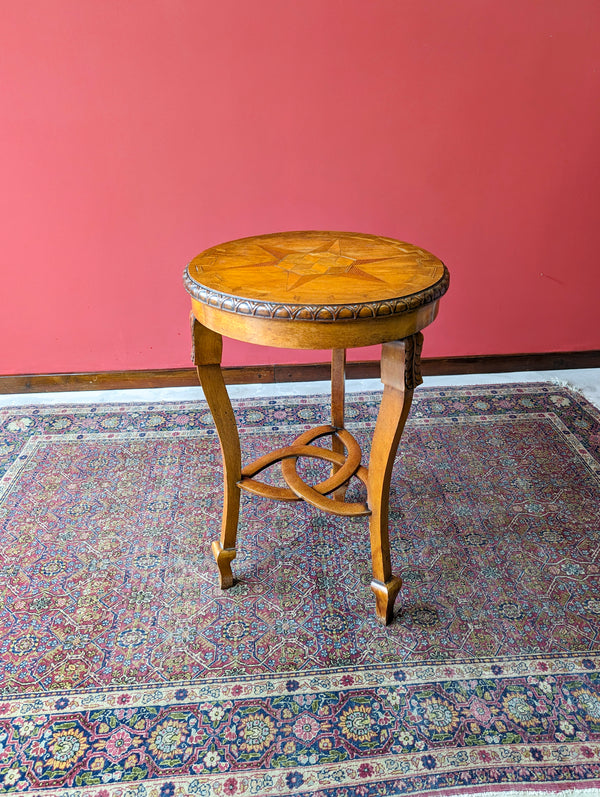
(316, 276)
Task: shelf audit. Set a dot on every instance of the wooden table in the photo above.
(316, 290)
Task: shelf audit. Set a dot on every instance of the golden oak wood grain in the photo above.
(288, 334)
(207, 357)
(355, 272)
(393, 412)
(317, 290)
(338, 373)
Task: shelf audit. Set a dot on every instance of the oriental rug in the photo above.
(126, 672)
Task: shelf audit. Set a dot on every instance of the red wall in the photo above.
(136, 133)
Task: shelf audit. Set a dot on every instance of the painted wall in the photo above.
(135, 133)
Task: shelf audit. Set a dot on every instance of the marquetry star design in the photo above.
(326, 260)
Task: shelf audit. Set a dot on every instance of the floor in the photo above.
(585, 380)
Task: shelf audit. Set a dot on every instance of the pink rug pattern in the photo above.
(125, 670)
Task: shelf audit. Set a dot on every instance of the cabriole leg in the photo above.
(207, 351)
(400, 374)
(338, 390)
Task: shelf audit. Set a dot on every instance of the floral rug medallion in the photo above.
(125, 670)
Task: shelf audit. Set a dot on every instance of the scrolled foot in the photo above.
(385, 596)
(223, 558)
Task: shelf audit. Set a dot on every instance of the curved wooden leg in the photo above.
(338, 389)
(208, 347)
(400, 375)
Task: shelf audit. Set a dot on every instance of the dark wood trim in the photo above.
(506, 363)
(304, 372)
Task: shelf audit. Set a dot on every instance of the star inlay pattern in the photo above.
(323, 261)
(312, 269)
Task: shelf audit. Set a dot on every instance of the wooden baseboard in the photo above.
(185, 377)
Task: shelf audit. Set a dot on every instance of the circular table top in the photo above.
(316, 276)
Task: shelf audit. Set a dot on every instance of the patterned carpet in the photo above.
(125, 670)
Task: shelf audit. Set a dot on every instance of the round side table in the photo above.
(316, 290)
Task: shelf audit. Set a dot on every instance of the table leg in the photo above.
(400, 374)
(207, 351)
(338, 388)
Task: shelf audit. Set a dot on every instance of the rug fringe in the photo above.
(574, 389)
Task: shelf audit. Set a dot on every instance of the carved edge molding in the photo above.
(315, 312)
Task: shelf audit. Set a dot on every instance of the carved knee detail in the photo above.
(412, 372)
